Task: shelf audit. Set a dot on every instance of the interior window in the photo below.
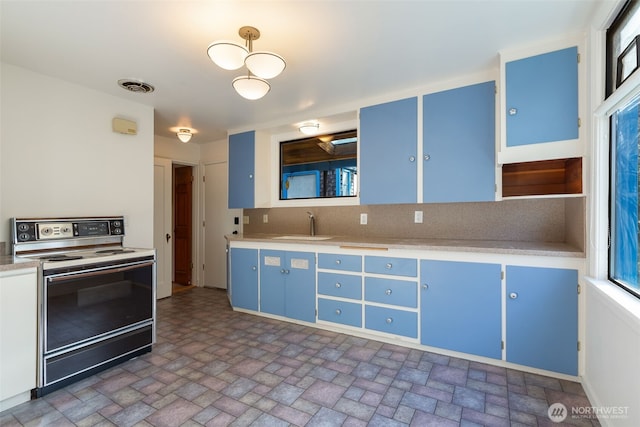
(319, 166)
(622, 51)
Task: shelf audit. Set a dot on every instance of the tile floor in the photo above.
(215, 367)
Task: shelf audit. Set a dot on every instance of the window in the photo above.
(624, 149)
(319, 167)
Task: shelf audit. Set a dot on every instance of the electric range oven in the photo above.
(96, 298)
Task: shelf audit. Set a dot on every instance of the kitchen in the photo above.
(114, 172)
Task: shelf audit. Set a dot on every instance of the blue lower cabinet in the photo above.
(244, 278)
(287, 284)
(407, 267)
(461, 307)
(542, 318)
(340, 262)
(391, 321)
(389, 291)
(345, 313)
(340, 285)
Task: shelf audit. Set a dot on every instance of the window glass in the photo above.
(620, 38)
(623, 254)
(319, 166)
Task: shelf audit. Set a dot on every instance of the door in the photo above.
(218, 222)
(182, 214)
(244, 278)
(162, 225)
(241, 170)
(272, 281)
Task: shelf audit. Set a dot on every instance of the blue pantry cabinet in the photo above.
(388, 145)
(459, 144)
(241, 170)
(461, 307)
(288, 284)
(542, 318)
(244, 278)
(542, 98)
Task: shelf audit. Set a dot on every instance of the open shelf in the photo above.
(546, 177)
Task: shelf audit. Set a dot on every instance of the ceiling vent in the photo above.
(135, 86)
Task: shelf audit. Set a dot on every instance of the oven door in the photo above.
(95, 315)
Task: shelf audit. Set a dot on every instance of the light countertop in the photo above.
(9, 263)
(484, 246)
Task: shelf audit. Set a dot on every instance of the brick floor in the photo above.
(215, 367)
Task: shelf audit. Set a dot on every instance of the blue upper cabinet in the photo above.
(542, 98)
(388, 150)
(241, 170)
(459, 144)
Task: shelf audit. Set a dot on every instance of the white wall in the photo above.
(59, 156)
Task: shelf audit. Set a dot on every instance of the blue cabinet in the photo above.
(393, 266)
(542, 318)
(388, 146)
(241, 170)
(244, 278)
(343, 312)
(461, 307)
(288, 284)
(340, 285)
(391, 321)
(542, 98)
(459, 144)
(340, 262)
(390, 291)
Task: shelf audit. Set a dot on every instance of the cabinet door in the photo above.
(542, 318)
(241, 170)
(459, 144)
(461, 307)
(388, 146)
(244, 278)
(300, 291)
(272, 281)
(542, 98)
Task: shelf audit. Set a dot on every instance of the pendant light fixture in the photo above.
(261, 65)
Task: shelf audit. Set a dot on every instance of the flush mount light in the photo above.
(309, 128)
(184, 135)
(261, 64)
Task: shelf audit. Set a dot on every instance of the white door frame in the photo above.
(163, 225)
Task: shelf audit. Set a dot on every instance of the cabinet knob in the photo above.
(412, 158)
(282, 271)
(338, 311)
(388, 266)
(254, 268)
(427, 156)
(389, 320)
(425, 286)
(513, 111)
(338, 285)
(388, 291)
(513, 295)
(338, 262)
(250, 176)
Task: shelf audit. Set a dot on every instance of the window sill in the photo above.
(625, 304)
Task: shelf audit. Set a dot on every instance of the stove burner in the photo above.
(60, 257)
(115, 251)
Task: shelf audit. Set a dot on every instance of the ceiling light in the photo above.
(184, 135)
(261, 65)
(251, 87)
(309, 128)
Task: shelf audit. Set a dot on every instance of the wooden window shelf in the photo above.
(546, 177)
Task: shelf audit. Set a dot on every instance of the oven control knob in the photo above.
(116, 223)
(46, 231)
(24, 236)
(23, 227)
(117, 231)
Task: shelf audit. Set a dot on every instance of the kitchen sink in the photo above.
(303, 237)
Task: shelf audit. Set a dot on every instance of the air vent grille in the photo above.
(135, 86)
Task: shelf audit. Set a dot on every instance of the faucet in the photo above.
(312, 224)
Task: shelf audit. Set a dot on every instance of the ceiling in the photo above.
(337, 52)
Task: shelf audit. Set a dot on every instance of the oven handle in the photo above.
(98, 272)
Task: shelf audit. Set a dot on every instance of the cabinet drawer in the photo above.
(389, 291)
(346, 313)
(397, 322)
(340, 262)
(394, 266)
(340, 285)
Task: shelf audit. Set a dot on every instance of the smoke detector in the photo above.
(135, 86)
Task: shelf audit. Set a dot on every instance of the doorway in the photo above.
(183, 226)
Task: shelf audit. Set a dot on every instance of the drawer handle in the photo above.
(254, 268)
(338, 311)
(338, 285)
(513, 295)
(283, 271)
(425, 286)
(389, 320)
(388, 266)
(388, 291)
(338, 262)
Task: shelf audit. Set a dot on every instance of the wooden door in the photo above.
(182, 224)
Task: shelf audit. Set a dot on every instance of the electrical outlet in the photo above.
(417, 217)
(245, 219)
(363, 219)
(265, 218)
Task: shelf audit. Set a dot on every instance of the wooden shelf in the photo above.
(546, 177)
